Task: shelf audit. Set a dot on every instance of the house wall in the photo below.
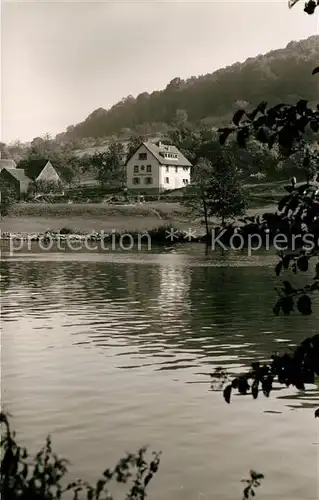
(142, 174)
(160, 173)
(49, 174)
(178, 176)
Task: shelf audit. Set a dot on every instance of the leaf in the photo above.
(238, 116)
(227, 393)
(310, 7)
(286, 261)
(235, 383)
(304, 305)
(242, 135)
(301, 106)
(252, 114)
(262, 107)
(293, 204)
(291, 3)
(224, 133)
(266, 386)
(287, 305)
(243, 386)
(289, 189)
(283, 202)
(278, 268)
(288, 288)
(314, 125)
(303, 263)
(148, 478)
(277, 307)
(316, 70)
(263, 135)
(246, 492)
(24, 471)
(255, 390)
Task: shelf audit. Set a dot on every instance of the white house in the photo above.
(157, 167)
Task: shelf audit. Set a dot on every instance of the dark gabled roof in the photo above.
(35, 167)
(19, 175)
(7, 163)
(158, 150)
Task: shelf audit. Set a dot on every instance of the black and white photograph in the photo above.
(159, 249)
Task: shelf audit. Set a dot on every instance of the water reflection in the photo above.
(120, 352)
(165, 315)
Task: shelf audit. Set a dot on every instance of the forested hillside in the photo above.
(280, 75)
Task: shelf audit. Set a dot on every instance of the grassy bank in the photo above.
(88, 218)
(160, 210)
(38, 217)
(81, 225)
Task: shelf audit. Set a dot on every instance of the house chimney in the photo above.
(159, 144)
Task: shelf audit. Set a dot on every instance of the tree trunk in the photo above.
(206, 221)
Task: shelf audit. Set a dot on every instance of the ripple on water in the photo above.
(119, 351)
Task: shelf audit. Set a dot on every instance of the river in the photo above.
(111, 352)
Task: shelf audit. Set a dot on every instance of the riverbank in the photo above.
(39, 218)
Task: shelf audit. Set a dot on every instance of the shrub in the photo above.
(7, 200)
(41, 477)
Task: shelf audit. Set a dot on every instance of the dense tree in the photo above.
(4, 151)
(180, 117)
(134, 142)
(228, 198)
(45, 187)
(216, 190)
(287, 126)
(197, 195)
(274, 77)
(61, 156)
(109, 166)
(7, 200)
(17, 151)
(186, 140)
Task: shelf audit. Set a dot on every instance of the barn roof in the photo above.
(7, 163)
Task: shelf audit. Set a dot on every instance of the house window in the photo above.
(176, 169)
(136, 180)
(135, 169)
(149, 168)
(185, 169)
(142, 156)
(185, 181)
(166, 180)
(148, 180)
(167, 169)
(142, 168)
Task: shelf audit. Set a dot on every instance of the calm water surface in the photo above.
(111, 352)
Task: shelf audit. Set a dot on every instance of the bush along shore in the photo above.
(269, 230)
(159, 235)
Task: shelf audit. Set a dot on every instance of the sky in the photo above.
(63, 59)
